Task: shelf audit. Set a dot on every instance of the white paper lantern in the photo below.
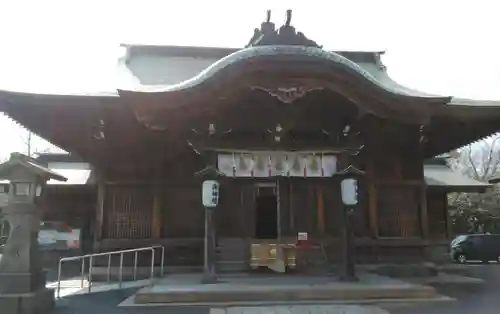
(349, 189)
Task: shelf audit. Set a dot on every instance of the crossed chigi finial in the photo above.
(268, 35)
(288, 18)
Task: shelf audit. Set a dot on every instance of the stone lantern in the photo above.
(22, 279)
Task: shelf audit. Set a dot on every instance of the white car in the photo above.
(55, 235)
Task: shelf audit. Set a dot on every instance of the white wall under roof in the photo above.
(161, 70)
(75, 172)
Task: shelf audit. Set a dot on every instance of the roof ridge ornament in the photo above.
(288, 17)
(267, 35)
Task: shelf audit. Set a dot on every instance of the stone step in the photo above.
(231, 241)
(232, 259)
(232, 256)
(261, 294)
(232, 267)
(385, 303)
(369, 288)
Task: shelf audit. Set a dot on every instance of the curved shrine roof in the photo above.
(371, 71)
(164, 70)
(282, 45)
(267, 42)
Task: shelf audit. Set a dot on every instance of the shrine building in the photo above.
(275, 122)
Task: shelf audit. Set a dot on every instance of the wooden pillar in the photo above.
(424, 217)
(209, 272)
(291, 208)
(311, 206)
(99, 223)
(320, 208)
(372, 201)
(448, 222)
(156, 219)
(242, 212)
(373, 208)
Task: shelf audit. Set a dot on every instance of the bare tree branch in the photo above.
(488, 165)
(472, 163)
(29, 141)
(476, 212)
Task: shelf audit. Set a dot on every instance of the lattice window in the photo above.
(128, 212)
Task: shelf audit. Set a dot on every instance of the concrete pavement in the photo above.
(300, 309)
(243, 288)
(483, 300)
(106, 302)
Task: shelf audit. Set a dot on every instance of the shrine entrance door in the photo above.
(266, 215)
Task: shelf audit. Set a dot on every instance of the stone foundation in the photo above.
(438, 254)
(404, 270)
(21, 283)
(38, 302)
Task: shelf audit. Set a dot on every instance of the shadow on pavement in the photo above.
(106, 302)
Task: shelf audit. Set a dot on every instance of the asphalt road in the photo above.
(485, 300)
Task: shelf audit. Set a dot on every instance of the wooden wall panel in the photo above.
(398, 210)
(286, 228)
(320, 209)
(437, 207)
(396, 177)
(156, 220)
(247, 208)
(227, 214)
(333, 206)
(304, 206)
(360, 217)
(74, 206)
(182, 211)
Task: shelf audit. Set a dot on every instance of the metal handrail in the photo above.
(109, 254)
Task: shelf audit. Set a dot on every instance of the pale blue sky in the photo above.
(438, 46)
